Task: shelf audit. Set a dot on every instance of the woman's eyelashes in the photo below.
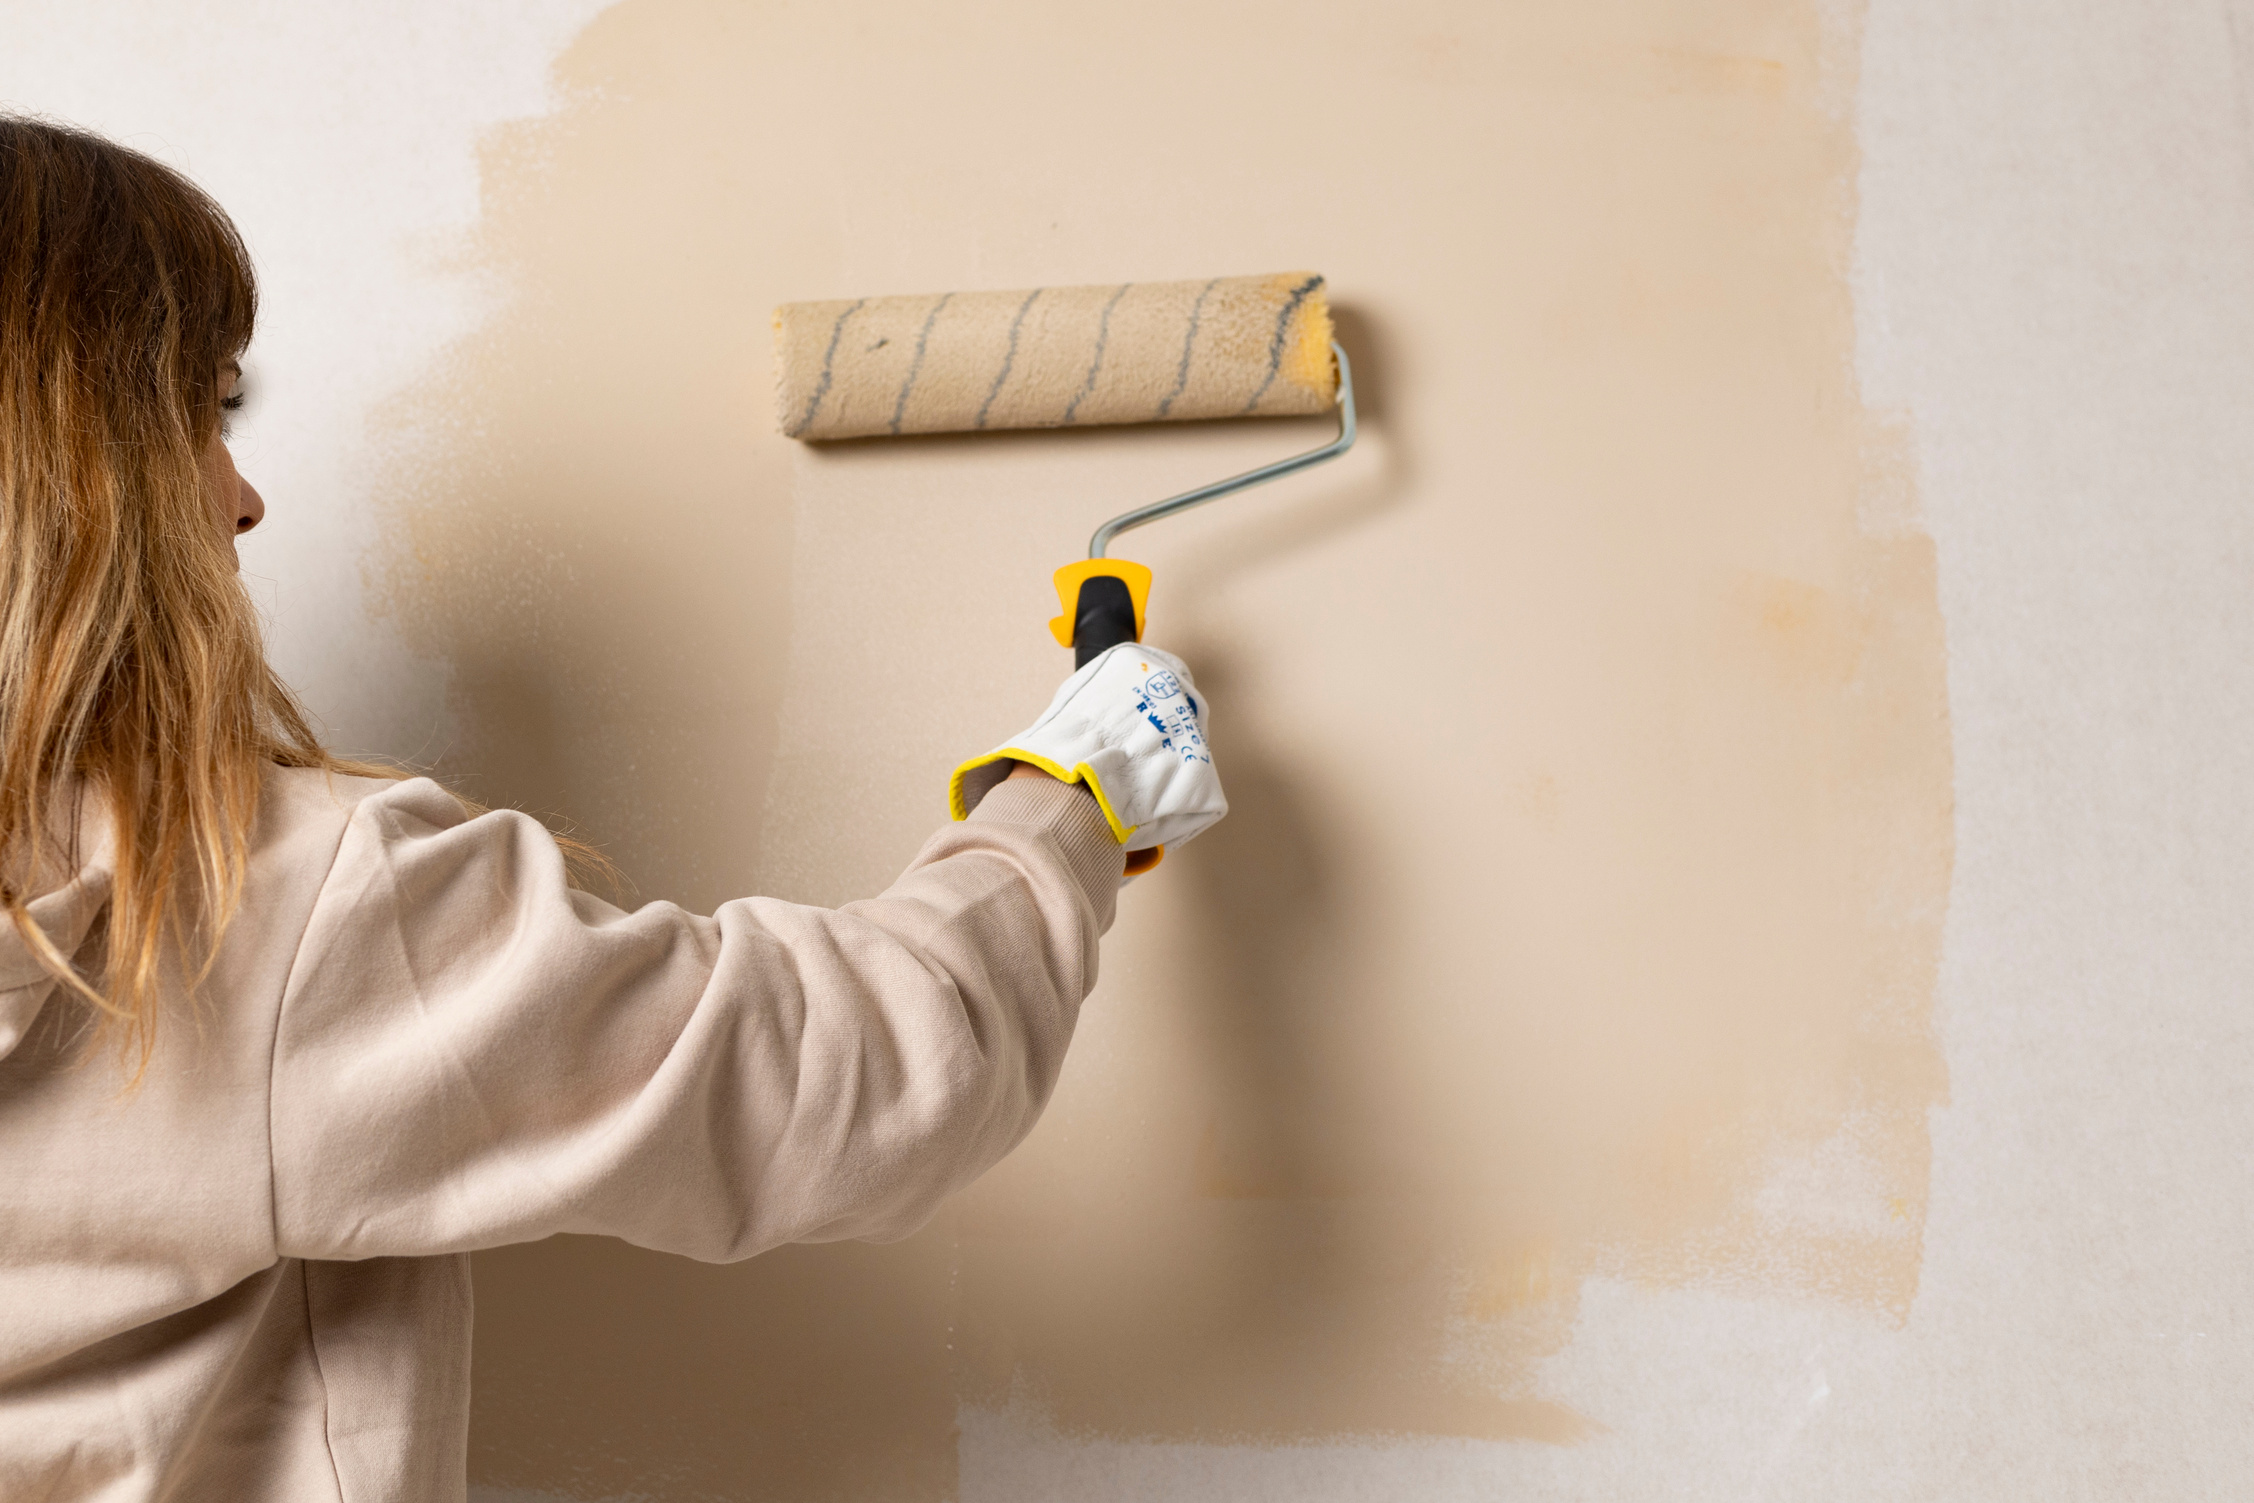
(229, 405)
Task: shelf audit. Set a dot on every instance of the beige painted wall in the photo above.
(1585, 728)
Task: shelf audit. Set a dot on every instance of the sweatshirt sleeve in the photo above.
(470, 1053)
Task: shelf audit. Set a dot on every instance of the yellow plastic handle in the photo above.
(1068, 580)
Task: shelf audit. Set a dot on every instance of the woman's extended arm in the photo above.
(470, 1053)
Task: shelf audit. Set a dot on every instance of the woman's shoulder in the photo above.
(304, 798)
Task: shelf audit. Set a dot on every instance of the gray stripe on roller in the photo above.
(829, 358)
(900, 405)
(1276, 345)
(1009, 358)
(1182, 376)
(1103, 335)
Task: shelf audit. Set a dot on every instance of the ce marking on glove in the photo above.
(1177, 730)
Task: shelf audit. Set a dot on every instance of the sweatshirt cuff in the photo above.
(1069, 815)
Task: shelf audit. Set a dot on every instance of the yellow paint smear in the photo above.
(1585, 729)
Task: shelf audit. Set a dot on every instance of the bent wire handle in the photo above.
(1282, 467)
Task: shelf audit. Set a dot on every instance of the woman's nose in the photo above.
(250, 508)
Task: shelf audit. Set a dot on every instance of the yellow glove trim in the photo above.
(1081, 774)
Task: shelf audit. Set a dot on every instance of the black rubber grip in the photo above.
(1104, 618)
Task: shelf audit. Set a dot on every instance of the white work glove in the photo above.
(1131, 725)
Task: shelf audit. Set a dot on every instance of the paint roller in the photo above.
(1071, 357)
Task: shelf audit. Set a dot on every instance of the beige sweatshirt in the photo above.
(248, 1280)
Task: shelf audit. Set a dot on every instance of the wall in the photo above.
(1580, 907)
(1538, 1080)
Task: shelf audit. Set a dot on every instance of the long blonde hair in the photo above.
(131, 664)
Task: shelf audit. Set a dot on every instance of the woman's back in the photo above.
(247, 1277)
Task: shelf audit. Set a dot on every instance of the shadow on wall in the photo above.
(1289, 1293)
(1285, 1288)
(806, 1373)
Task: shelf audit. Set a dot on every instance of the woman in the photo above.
(283, 1038)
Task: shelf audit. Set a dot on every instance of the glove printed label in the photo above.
(1174, 714)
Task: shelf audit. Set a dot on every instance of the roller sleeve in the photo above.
(1055, 357)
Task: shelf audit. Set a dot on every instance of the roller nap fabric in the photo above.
(1055, 357)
